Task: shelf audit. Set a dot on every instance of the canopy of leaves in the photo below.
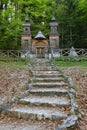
(70, 14)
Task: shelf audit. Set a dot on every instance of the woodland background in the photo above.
(70, 14)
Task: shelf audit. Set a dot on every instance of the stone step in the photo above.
(49, 79)
(49, 92)
(45, 101)
(46, 72)
(39, 113)
(45, 68)
(48, 75)
(50, 85)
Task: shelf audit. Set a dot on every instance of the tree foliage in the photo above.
(70, 14)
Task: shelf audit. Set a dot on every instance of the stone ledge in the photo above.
(13, 100)
(26, 112)
(69, 124)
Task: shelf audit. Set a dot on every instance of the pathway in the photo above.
(48, 97)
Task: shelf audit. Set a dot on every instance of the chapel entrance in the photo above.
(40, 52)
(40, 45)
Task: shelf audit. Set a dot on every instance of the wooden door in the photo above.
(40, 52)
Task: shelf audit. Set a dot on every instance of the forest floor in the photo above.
(79, 76)
(14, 78)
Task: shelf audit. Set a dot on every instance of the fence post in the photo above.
(18, 54)
(82, 52)
(8, 53)
(61, 52)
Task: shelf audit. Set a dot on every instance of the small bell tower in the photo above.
(54, 36)
(26, 36)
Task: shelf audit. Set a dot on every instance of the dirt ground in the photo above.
(79, 76)
(14, 80)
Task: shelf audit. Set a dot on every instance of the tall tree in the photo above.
(70, 14)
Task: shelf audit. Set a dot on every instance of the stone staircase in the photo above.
(48, 97)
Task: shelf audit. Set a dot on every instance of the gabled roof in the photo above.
(40, 35)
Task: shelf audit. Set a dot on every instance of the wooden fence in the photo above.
(62, 52)
(80, 52)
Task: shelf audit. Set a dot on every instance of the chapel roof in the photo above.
(40, 35)
(53, 22)
(26, 23)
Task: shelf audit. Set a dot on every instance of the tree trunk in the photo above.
(71, 39)
(62, 38)
(1, 6)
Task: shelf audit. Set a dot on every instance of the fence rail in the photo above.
(80, 52)
(62, 52)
